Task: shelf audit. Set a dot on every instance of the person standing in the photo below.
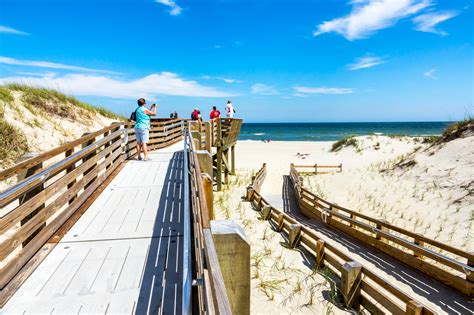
(142, 127)
(229, 110)
(214, 113)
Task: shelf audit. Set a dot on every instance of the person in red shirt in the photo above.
(214, 113)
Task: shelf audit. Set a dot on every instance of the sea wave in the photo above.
(259, 134)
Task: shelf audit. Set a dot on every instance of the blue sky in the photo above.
(312, 60)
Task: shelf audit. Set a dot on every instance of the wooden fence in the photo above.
(44, 191)
(360, 287)
(447, 264)
(211, 294)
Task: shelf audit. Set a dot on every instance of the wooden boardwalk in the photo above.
(124, 255)
(441, 298)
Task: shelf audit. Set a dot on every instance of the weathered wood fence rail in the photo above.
(449, 265)
(358, 285)
(212, 292)
(44, 191)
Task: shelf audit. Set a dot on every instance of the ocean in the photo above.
(336, 131)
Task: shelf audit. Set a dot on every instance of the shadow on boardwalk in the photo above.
(444, 297)
(161, 285)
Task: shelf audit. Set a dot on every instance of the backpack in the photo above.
(133, 116)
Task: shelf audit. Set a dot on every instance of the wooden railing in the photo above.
(319, 169)
(211, 293)
(48, 189)
(358, 285)
(447, 264)
(44, 191)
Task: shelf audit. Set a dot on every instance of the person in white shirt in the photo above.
(229, 110)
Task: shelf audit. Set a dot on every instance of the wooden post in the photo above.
(470, 276)
(319, 254)
(69, 170)
(250, 192)
(280, 222)
(208, 136)
(207, 184)
(352, 218)
(30, 194)
(351, 275)
(232, 160)
(266, 212)
(421, 243)
(219, 155)
(294, 235)
(87, 157)
(414, 308)
(226, 169)
(379, 226)
(233, 252)
(316, 168)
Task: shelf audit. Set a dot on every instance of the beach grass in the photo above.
(53, 101)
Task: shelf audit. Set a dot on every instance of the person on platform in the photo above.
(229, 110)
(214, 113)
(142, 127)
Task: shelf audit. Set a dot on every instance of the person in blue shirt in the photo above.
(142, 127)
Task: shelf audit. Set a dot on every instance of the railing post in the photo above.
(378, 236)
(470, 276)
(87, 157)
(420, 243)
(351, 276)
(319, 254)
(232, 160)
(266, 212)
(208, 136)
(233, 252)
(207, 184)
(30, 194)
(414, 308)
(294, 235)
(250, 192)
(69, 170)
(280, 222)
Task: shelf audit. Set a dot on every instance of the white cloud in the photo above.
(303, 90)
(226, 80)
(430, 74)
(46, 64)
(174, 8)
(366, 62)
(427, 22)
(263, 89)
(163, 83)
(9, 30)
(369, 16)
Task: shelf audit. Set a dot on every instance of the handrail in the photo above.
(380, 234)
(53, 185)
(187, 272)
(212, 281)
(327, 255)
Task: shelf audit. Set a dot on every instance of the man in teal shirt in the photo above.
(142, 127)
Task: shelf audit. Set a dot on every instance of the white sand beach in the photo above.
(432, 196)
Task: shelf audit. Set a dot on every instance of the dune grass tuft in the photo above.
(346, 142)
(48, 100)
(14, 144)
